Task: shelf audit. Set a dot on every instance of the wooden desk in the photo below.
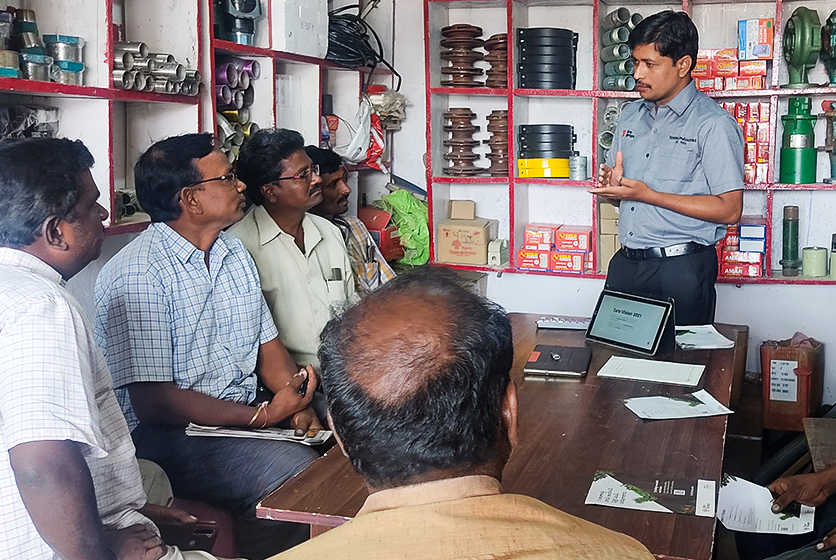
(568, 430)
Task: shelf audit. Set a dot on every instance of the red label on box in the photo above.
(538, 237)
(750, 152)
(763, 153)
(729, 257)
(752, 68)
(572, 238)
(763, 133)
(740, 270)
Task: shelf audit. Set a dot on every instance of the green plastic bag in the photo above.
(411, 217)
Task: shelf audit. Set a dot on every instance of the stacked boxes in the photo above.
(558, 248)
(607, 232)
(721, 70)
(741, 251)
(464, 238)
(753, 119)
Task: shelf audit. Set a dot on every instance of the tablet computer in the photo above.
(631, 322)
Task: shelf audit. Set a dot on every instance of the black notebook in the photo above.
(558, 361)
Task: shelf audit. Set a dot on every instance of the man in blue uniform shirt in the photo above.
(676, 166)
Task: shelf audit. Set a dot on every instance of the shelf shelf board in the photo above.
(617, 94)
(587, 274)
(470, 180)
(234, 49)
(528, 92)
(475, 267)
(809, 187)
(468, 91)
(51, 89)
(776, 278)
(556, 182)
(757, 186)
(740, 93)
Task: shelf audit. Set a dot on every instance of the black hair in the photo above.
(260, 159)
(672, 33)
(453, 417)
(165, 168)
(328, 161)
(39, 178)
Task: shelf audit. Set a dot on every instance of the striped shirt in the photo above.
(163, 316)
(56, 387)
(370, 268)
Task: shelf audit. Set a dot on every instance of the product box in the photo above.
(709, 84)
(755, 37)
(761, 170)
(762, 136)
(764, 111)
(752, 68)
(384, 233)
(607, 245)
(573, 238)
(607, 226)
(702, 69)
(753, 227)
(750, 152)
(749, 173)
(731, 256)
(533, 259)
(608, 210)
(750, 131)
(752, 245)
(763, 153)
(543, 172)
(538, 237)
(725, 67)
(462, 210)
(465, 241)
(567, 261)
(744, 83)
(732, 238)
(740, 270)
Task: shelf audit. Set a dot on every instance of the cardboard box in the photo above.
(568, 261)
(573, 238)
(763, 153)
(752, 245)
(753, 227)
(749, 173)
(607, 226)
(709, 84)
(538, 237)
(764, 111)
(462, 210)
(532, 259)
(607, 247)
(386, 236)
(744, 83)
(761, 170)
(755, 38)
(465, 241)
(750, 132)
(752, 68)
(702, 69)
(608, 210)
(763, 133)
(725, 67)
(750, 152)
(740, 270)
(741, 257)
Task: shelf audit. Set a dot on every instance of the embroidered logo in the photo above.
(683, 140)
(627, 134)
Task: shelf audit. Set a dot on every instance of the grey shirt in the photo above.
(689, 146)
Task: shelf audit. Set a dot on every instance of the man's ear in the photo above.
(52, 231)
(269, 192)
(189, 202)
(336, 435)
(509, 412)
(683, 65)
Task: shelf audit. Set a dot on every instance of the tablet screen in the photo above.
(628, 321)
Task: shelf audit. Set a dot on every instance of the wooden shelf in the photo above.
(776, 278)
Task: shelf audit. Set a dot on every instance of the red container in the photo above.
(792, 383)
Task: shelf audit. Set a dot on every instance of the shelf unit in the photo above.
(516, 201)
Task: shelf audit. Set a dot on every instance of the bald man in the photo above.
(419, 393)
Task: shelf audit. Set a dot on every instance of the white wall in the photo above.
(771, 311)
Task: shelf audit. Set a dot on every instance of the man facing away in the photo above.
(676, 165)
(189, 338)
(70, 485)
(417, 378)
(370, 268)
(301, 258)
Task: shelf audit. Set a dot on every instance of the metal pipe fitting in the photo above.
(615, 36)
(226, 74)
(36, 67)
(238, 139)
(243, 80)
(123, 62)
(619, 83)
(162, 58)
(64, 47)
(9, 59)
(615, 52)
(124, 79)
(136, 48)
(223, 94)
(143, 64)
(226, 132)
(139, 81)
(635, 19)
(241, 116)
(150, 84)
(249, 129)
(173, 71)
(25, 15)
(193, 75)
(251, 67)
(248, 96)
(616, 18)
(163, 86)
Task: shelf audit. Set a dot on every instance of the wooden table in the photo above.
(568, 430)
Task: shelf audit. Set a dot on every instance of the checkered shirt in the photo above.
(162, 316)
(370, 271)
(56, 386)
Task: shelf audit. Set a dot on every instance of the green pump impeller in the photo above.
(828, 47)
(802, 43)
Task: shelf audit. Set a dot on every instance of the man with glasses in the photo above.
(301, 257)
(189, 338)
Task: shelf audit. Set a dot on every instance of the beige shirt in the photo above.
(300, 289)
(466, 517)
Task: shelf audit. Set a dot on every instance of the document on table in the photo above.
(660, 407)
(275, 434)
(746, 506)
(652, 493)
(652, 370)
(701, 337)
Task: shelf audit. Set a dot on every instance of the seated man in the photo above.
(188, 338)
(814, 489)
(370, 268)
(70, 485)
(419, 393)
(301, 258)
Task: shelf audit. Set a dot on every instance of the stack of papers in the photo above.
(746, 506)
(652, 370)
(275, 434)
(701, 337)
(652, 494)
(659, 407)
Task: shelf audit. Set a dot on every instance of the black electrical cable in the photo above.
(349, 43)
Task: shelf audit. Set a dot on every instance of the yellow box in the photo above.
(543, 162)
(549, 172)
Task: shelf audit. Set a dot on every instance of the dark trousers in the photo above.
(233, 474)
(758, 546)
(688, 279)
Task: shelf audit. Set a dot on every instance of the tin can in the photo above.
(577, 168)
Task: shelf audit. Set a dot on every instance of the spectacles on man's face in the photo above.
(306, 175)
(230, 179)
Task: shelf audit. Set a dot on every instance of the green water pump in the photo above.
(828, 47)
(802, 43)
(798, 150)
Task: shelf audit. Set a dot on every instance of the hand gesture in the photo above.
(613, 184)
(611, 176)
(305, 422)
(807, 489)
(136, 542)
(295, 396)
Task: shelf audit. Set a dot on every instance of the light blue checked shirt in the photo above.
(162, 316)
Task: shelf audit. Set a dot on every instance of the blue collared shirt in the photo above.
(162, 316)
(689, 146)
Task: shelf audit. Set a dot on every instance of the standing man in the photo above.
(676, 165)
(70, 485)
(301, 258)
(189, 338)
(370, 268)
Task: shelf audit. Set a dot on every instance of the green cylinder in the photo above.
(798, 150)
(789, 253)
(798, 166)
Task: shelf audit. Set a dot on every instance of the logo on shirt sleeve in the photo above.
(627, 134)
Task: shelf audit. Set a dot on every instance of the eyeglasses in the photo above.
(306, 175)
(230, 179)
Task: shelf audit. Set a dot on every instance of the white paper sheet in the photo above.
(276, 434)
(746, 506)
(650, 370)
(701, 337)
(660, 407)
(652, 494)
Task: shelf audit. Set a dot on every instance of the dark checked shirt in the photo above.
(690, 146)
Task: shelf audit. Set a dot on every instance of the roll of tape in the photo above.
(814, 262)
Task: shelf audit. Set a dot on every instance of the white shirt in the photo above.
(56, 386)
(300, 288)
